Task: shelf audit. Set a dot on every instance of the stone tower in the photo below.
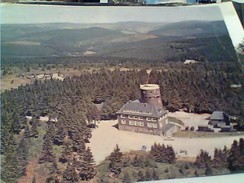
(150, 93)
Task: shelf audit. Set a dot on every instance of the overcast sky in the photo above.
(77, 14)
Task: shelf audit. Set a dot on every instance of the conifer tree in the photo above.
(70, 175)
(148, 175)
(208, 170)
(22, 156)
(88, 156)
(47, 150)
(140, 176)
(10, 166)
(115, 159)
(126, 178)
(234, 157)
(34, 132)
(155, 175)
(203, 159)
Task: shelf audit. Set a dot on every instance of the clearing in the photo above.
(105, 137)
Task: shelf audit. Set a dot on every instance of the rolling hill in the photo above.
(193, 29)
(205, 41)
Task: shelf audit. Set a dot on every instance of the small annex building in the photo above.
(146, 115)
(219, 119)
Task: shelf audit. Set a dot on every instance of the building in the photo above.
(146, 115)
(219, 119)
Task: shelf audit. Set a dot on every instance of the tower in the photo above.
(150, 93)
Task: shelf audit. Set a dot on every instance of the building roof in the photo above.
(167, 127)
(141, 109)
(149, 86)
(218, 115)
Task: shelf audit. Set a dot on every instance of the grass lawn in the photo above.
(192, 134)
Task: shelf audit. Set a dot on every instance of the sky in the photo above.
(77, 14)
(29, 14)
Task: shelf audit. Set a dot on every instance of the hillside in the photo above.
(192, 29)
(204, 41)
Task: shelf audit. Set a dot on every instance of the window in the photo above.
(123, 122)
(160, 125)
(132, 122)
(149, 119)
(152, 125)
(141, 124)
(123, 116)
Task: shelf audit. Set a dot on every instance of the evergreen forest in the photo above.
(59, 146)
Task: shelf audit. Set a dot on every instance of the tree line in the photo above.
(160, 162)
(232, 158)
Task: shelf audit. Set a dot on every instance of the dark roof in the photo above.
(141, 109)
(167, 127)
(218, 115)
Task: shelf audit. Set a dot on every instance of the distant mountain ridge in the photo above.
(155, 41)
(193, 28)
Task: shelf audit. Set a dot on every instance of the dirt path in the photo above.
(31, 172)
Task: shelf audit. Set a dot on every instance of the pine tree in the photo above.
(208, 171)
(70, 175)
(217, 158)
(85, 169)
(115, 159)
(196, 173)
(66, 154)
(136, 161)
(126, 161)
(22, 156)
(88, 156)
(241, 147)
(148, 175)
(47, 150)
(220, 158)
(155, 175)
(140, 176)
(10, 166)
(163, 154)
(171, 154)
(53, 179)
(203, 159)
(126, 178)
(166, 170)
(34, 132)
(234, 156)
(15, 126)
